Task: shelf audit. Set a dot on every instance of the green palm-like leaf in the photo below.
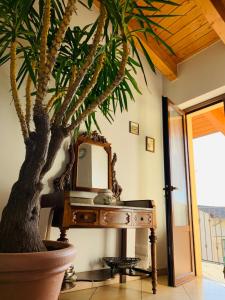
(22, 20)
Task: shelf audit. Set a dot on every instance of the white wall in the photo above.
(199, 78)
(12, 148)
(140, 173)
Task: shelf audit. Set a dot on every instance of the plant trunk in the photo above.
(19, 231)
(19, 226)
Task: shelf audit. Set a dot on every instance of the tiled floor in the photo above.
(213, 271)
(198, 289)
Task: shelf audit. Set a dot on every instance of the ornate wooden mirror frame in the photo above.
(65, 181)
(93, 139)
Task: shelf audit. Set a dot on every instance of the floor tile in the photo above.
(204, 289)
(78, 295)
(198, 289)
(116, 293)
(213, 271)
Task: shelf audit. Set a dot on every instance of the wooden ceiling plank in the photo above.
(209, 122)
(180, 11)
(192, 37)
(202, 124)
(159, 6)
(205, 41)
(168, 9)
(181, 22)
(214, 11)
(156, 5)
(198, 134)
(203, 128)
(217, 120)
(187, 30)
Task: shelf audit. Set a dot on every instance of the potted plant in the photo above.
(68, 74)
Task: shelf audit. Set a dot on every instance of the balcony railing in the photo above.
(212, 232)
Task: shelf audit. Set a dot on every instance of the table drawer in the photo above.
(142, 219)
(85, 217)
(115, 219)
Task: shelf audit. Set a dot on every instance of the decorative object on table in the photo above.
(120, 264)
(70, 278)
(150, 144)
(116, 188)
(105, 197)
(134, 127)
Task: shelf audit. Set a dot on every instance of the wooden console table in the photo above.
(128, 215)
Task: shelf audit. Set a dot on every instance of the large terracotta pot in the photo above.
(34, 276)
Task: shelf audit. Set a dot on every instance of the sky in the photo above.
(209, 160)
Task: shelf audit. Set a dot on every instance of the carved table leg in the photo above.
(153, 258)
(63, 237)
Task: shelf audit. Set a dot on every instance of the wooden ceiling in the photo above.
(196, 24)
(193, 25)
(209, 122)
(189, 32)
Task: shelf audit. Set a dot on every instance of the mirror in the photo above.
(92, 168)
(101, 167)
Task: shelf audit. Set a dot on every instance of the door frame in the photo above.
(204, 104)
(169, 219)
(195, 215)
(172, 281)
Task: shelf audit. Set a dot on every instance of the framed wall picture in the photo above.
(134, 127)
(150, 144)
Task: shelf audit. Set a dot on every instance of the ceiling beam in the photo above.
(214, 11)
(159, 56)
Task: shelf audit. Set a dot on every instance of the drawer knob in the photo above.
(142, 219)
(128, 219)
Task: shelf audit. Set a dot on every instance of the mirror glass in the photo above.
(92, 167)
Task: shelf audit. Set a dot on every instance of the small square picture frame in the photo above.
(150, 144)
(134, 127)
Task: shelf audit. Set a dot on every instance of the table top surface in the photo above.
(109, 206)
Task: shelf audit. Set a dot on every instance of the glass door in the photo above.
(177, 196)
